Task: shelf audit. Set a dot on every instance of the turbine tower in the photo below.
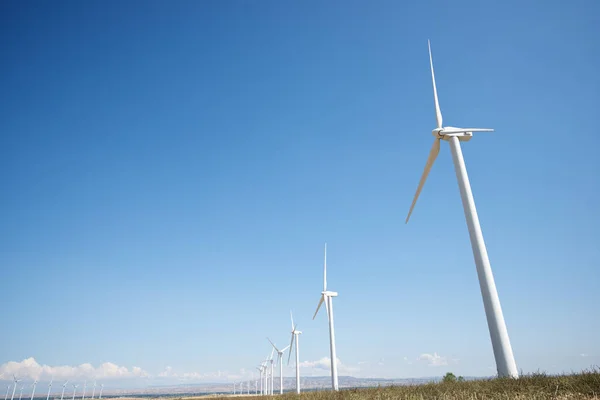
(63, 391)
(49, 387)
(7, 390)
(101, 389)
(327, 298)
(15, 380)
(295, 336)
(271, 361)
(505, 361)
(21, 395)
(260, 370)
(33, 389)
(280, 355)
(94, 390)
(74, 389)
(84, 387)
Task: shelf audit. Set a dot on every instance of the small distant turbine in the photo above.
(295, 336)
(84, 387)
(233, 387)
(21, 395)
(49, 387)
(260, 370)
(33, 390)
(327, 297)
(101, 388)
(7, 390)
(74, 389)
(63, 391)
(280, 356)
(271, 361)
(94, 390)
(15, 380)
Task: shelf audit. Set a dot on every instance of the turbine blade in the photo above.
(285, 348)
(292, 317)
(319, 306)
(325, 270)
(438, 112)
(273, 344)
(291, 348)
(461, 130)
(433, 153)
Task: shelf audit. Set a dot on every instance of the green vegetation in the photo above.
(585, 385)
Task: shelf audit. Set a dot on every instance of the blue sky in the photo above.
(171, 171)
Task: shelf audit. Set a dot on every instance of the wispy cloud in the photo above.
(325, 364)
(30, 369)
(433, 360)
(584, 355)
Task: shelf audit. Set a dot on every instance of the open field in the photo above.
(585, 385)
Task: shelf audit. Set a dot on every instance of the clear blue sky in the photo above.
(170, 172)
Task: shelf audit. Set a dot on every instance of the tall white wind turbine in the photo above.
(33, 389)
(7, 390)
(505, 361)
(74, 389)
(49, 387)
(101, 389)
(63, 391)
(15, 380)
(84, 387)
(94, 390)
(295, 336)
(21, 395)
(327, 298)
(279, 360)
(260, 370)
(271, 361)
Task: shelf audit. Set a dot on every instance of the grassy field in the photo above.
(585, 385)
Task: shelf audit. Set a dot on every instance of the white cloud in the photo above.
(30, 369)
(433, 360)
(325, 364)
(584, 355)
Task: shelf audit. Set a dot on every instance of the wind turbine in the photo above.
(280, 355)
(33, 390)
(21, 395)
(63, 391)
(295, 334)
(271, 361)
(327, 297)
(7, 390)
(260, 369)
(94, 390)
(233, 387)
(84, 387)
(505, 361)
(74, 389)
(101, 389)
(15, 380)
(49, 387)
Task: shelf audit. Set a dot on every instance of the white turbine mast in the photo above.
(21, 395)
(295, 337)
(94, 390)
(327, 298)
(63, 391)
(15, 380)
(74, 389)
(279, 360)
(33, 388)
(84, 387)
(505, 361)
(101, 389)
(7, 390)
(271, 361)
(49, 387)
(260, 370)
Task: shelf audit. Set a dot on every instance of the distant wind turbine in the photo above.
(272, 370)
(101, 388)
(7, 390)
(21, 395)
(84, 387)
(63, 391)
(295, 336)
(327, 297)
(505, 361)
(33, 389)
(260, 370)
(74, 389)
(15, 380)
(49, 387)
(94, 390)
(279, 360)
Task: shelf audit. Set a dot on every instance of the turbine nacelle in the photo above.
(329, 293)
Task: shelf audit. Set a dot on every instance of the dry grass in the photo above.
(585, 385)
